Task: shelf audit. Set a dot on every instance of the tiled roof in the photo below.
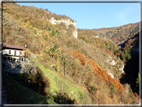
(13, 46)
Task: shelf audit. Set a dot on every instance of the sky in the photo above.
(94, 15)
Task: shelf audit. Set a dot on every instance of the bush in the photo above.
(129, 56)
(14, 59)
(61, 98)
(93, 88)
(53, 32)
(113, 88)
(55, 47)
(131, 93)
(137, 81)
(107, 45)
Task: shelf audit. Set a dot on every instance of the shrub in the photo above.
(55, 47)
(14, 59)
(93, 88)
(137, 81)
(61, 98)
(131, 92)
(107, 45)
(113, 88)
(129, 56)
(53, 32)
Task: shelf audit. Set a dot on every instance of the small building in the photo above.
(13, 52)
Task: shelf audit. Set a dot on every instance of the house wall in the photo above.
(12, 52)
(23, 53)
(17, 53)
(6, 51)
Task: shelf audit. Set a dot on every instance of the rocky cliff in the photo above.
(67, 22)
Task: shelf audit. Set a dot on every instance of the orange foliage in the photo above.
(98, 41)
(4, 6)
(43, 42)
(46, 35)
(81, 57)
(109, 52)
(98, 71)
(117, 84)
(136, 95)
(117, 54)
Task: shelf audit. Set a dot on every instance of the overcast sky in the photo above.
(95, 15)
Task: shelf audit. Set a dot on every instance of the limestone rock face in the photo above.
(110, 74)
(113, 66)
(67, 22)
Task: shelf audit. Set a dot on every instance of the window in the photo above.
(14, 52)
(9, 51)
(20, 52)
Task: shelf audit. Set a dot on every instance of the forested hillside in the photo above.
(119, 34)
(129, 53)
(30, 22)
(81, 70)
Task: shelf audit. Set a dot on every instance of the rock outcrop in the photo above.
(19, 67)
(67, 22)
(114, 65)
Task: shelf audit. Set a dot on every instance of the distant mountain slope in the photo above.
(118, 34)
(128, 47)
(90, 37)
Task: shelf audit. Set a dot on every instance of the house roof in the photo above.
(13, 46)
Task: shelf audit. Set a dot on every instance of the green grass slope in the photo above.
(61, 84)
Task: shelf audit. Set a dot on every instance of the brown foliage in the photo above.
(98, 71)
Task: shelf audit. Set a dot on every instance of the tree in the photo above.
(113, 88)
(119, 51)
(137, 81)
(129, 56)
(53, 32)
(123, 56)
